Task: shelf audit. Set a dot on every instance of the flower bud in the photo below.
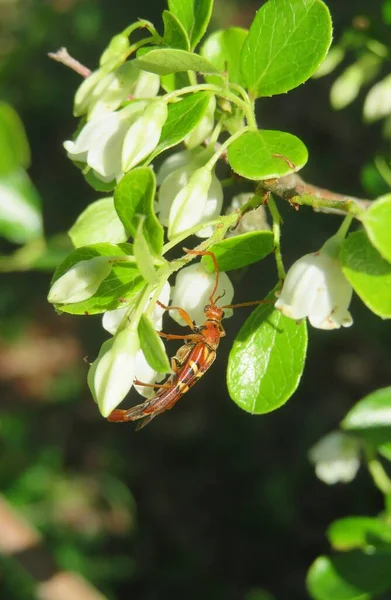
(336, 458)
(143, 136)
(113, 90)
(81, 281)
(147, 85)
(189, 204)
(193, 287)
(203, 128)
(86, 89)
(111, 375)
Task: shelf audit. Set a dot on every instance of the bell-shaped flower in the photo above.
(254, 220)
(100, 142)
(143, 372)
(143, 136)
(81, 281)
(111, 375)
(178, 161)
(112, 319)
(315, 287)
(336, 458)
(193, 287)
(203, 128)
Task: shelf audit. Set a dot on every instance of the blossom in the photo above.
(100, 142)
(315, 287)
(192, 290)
(81, 281)
(336, 458)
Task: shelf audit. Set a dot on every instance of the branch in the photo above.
(299, 193)
(62, 56)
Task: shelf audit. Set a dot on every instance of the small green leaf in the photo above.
(152, 346)
(194, 16)
(99, 222)
(121, 286)
(14, 146)
(377, 223)
(183, 116)
(143, 255)
(241, 250)
(134, 197)
(266, 154)
(168, 60)
(368, 272)
(97, 184)
(222, 49)
(351, 576)
(371, 417)
(358, 532)
(266, 360)
(347, 86)
(175, 35)
(287, 41)
(20, 208)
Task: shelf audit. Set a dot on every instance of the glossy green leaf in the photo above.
(183, 116)
(368, 272)
(14, 146)
(152, 346)
(99, 222)
(287, 41)
(175, 35)
(175, 81)
(350, 576)
(222, 48)
(169, 60)
(241, 250)
(20, 212)
(358, 532)
(265, 154)
(142, 254)
(120, 287)
(97, 184)
(134, 197)
(267, 360)
(371, 417)
(377, 223)
(194, 16)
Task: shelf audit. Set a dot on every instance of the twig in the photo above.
(62, 56)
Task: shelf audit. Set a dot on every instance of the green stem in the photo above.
(344, 227)
(213, 160)
(348, 206)
(134, 47)
(376, 469)
(277, 237)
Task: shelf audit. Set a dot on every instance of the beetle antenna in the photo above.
(212, 301)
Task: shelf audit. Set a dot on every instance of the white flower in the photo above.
(336, 458)
(378, 101)
(81, 281)
(143, 372)
(111, 375)
(255, 220)
(315, 287)
(100, 142)
(193, 287)
(183, 203)
(143, 136)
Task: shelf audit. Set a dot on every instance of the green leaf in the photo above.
(121, 286)
(223, 49)
(97, 184)
(20, 208)
(371, 417)
(99, 222)
(377, 223)
(143, 255)
(183, 117)
(167, 60)
(175, 35)
(358, 532)
(174, 81)
(266, 154)
(347, 86)
(287, 41)
(266, 360)
(152, 346)
(368, 272)
(14, 146)
(351, 576)
(134, 197)
(194, 16)
(241, 250)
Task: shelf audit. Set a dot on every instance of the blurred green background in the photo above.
(207, 501)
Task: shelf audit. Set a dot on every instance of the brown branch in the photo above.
(62, 56)
(24, 544)
(297, 192)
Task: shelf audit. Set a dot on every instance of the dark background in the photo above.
(208, 501)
